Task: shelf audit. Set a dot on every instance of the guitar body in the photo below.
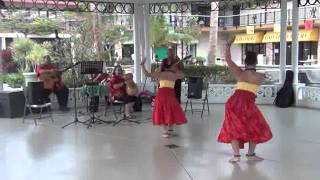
(49, 79)
(51, 76)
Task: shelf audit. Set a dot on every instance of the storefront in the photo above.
(308, 46)
(267, 46)
(253, 43)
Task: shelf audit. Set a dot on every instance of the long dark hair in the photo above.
(251, 58)
(115, 69)
(165, 65)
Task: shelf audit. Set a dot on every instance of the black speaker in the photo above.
(35, 92)
(195, 86)
(11, 104)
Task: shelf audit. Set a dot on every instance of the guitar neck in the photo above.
(69, 67)
(181, 60)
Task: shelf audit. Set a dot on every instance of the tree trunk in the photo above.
(96, 24)
(109, 55)
(213, 36)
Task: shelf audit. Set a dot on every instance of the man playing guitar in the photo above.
(50, 75)
(173, 63)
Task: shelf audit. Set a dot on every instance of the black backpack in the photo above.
(285, 96)
(138, 105)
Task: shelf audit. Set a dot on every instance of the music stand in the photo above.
(76, 120)
(92, 67)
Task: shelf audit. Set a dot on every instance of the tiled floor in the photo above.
(137, 152)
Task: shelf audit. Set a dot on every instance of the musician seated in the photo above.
(116, 85)
(51, 77)
(131, 94)
(102, 78)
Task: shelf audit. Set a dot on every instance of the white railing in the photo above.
(310, 97)
(268, 17)
(219, 93)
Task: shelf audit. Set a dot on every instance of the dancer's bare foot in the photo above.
(235, 158)
(254, 157)
(172, 133)
(165, 132)
(166, 135)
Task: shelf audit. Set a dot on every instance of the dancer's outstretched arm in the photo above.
(148, 73)
(233, 68)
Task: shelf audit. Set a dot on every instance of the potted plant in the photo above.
(20, 48)
(28, 54)
(35, 56)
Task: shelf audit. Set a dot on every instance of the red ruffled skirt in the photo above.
(167, 110)
(244, 121)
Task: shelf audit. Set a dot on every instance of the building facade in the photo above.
(264, 38)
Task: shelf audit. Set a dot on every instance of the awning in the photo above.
(304, 35)
(248, 38)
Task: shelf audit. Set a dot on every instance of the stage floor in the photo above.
(138, 152)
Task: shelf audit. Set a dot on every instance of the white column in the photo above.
(147, 50)
(142, 37)
(136, 34)
(1, 72)
(3, 43)
(283, 41)
(295, 42)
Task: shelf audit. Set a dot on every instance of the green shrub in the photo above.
(67, 79)
(216, 74)
(200, 59)
(14, 80)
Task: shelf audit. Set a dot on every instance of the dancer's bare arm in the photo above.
(179, 75)
(154, 75)
(233, 68)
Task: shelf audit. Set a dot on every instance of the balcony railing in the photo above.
(262, 18)
(268, 17)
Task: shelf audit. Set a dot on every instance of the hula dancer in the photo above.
(167, 111)
(243, 120)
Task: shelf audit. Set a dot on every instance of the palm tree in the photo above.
(213, 36)
(97, 27)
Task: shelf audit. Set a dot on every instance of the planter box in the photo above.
(30, 77)
(11, 104)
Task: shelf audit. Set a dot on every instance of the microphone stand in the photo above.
(76, 120)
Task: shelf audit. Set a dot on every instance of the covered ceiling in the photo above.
(155, 6)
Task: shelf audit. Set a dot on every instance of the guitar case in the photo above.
(286, 96)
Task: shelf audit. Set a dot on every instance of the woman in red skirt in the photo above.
(167, 111)
(243, 120)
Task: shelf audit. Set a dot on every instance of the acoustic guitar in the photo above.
(49, 78)
(52, 78)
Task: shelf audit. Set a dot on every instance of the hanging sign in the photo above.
(308, 25)
(276, 28)
(250, 29)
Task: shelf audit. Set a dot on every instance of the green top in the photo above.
(161, 53)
